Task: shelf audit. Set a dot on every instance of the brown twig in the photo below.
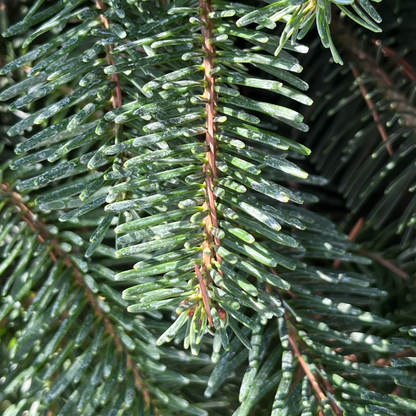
(56, 252)
(372, 107)
(204, 294)
(315, 385)
(210, 167)
(356, 229)
(117, 101)
(292, 336)
(407, 68)
(351, 236)
(312, 379)
(387, 264)
(210, 95)
(330, 389)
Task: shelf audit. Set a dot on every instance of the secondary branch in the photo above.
(56, 252)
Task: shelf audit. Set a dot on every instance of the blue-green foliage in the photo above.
(104, 208)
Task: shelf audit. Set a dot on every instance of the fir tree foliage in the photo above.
(155, 254)
(375, 152)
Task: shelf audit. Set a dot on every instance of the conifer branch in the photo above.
(156, 125)
(364, 62)
(312, 379)
(386, 90)
(372, 108)
(210, 95)
(406, 68)
(210, 167)
(293, 339)
(330, 393)
(56, 253)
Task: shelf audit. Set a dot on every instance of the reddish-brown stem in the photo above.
(356, 229)
(210, 167)
(330, 388)
(407, 68)
(312, 379)
(293, 337)
(387, 264)
(315, 385)
(399, 101)
(204, 294)
(210, 95)
(351, 236)
(56, 252)
(372, 107)
(117, 101)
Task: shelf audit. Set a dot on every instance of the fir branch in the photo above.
(389, 101)
(210, 167)
(312, 379)
(370, 65)
(380, 126)
(56, 253)
(321, 396)
(294, 341)
(202, 199)
(406, 68)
